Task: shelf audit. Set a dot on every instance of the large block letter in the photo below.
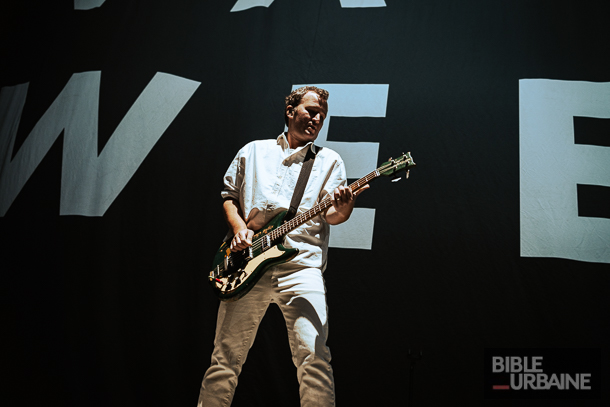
(241, 5)
(90, 183)
(362, 3)
(552, 166)
(354, 100)
(87, 4)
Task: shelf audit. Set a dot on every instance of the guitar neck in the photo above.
(326, 203)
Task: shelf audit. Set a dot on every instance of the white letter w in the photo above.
(89, 183)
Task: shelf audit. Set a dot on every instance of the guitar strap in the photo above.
(299, 189)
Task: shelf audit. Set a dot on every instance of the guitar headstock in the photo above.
(391, 167)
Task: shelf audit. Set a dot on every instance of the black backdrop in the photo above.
(115, 310)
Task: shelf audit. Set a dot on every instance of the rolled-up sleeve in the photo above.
(234, 178)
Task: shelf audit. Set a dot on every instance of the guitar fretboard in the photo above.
(326, 203)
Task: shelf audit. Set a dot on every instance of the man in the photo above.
(259, 184)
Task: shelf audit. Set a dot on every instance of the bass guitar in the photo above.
(235, 273)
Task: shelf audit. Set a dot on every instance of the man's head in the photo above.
(295, 97)
(306, 109)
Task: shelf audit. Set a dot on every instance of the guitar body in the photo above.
(235, 273)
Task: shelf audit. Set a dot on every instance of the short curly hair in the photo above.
(294, 99)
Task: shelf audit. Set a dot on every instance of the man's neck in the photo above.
(293, 143)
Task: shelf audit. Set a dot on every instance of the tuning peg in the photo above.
(396, 178)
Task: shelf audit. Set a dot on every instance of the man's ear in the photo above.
(290, 111)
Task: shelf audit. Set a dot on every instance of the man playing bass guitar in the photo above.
(258, 186)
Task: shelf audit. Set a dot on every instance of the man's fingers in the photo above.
(342, 194)
(361, 190)
(242, 240)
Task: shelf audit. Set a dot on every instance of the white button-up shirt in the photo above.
(262, 178)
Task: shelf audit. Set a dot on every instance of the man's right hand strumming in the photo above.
(242, 240)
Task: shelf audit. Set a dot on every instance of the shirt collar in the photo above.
(282, 140)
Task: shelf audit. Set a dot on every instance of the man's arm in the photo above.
(242, 235)
(343, 200)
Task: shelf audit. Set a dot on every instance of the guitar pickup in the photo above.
(268, 240)
(249, 253)
(227, 262)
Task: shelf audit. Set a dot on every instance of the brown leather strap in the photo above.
(299, 189)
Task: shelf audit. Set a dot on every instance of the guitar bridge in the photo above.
(214, 274)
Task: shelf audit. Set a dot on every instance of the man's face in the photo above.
(305, 120)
